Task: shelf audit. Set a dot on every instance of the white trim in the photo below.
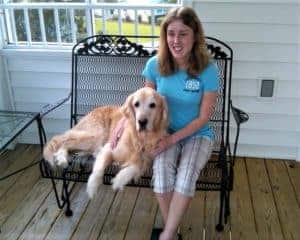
(89, 5)
(39, 53)
(185, 2)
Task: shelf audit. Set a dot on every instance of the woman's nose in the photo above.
(176, 39)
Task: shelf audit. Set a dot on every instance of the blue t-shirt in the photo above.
(183, 93)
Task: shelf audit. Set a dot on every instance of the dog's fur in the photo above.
(146, 123)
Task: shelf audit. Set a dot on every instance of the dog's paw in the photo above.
(60, 158)
(117, 183)
(92, 185)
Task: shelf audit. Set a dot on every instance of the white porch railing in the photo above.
(48, 25)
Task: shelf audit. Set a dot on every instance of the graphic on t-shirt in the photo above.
(192, 85)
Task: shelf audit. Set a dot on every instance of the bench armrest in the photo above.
(239, 117)
(51, 106)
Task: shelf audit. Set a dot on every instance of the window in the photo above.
(64, 22)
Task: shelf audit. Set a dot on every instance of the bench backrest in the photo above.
(107, 68)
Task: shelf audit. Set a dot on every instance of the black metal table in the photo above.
(12, 124)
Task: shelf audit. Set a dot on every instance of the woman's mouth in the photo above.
(177, 50)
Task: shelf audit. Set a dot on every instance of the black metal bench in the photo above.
(105, 70)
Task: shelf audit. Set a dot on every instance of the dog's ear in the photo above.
(164, 120)
(161, 122)
(127, 108)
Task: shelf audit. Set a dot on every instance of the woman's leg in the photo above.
(178, 206)
(164, 173)
(164, 200)
(194, 155)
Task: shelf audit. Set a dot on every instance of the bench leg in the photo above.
(227, 206)
(65, 197)
(220, 226)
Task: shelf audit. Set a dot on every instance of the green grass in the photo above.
(127, 28)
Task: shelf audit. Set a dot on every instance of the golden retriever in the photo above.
(146, 122)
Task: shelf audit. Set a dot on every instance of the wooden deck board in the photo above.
(25, 210)
(286, 202)
(293, 169)
(15, 194)
(41, 223)
(268, 225)
(8, 157)
(64, 226)
(143, 216)
(29, 154)
(212, 203)
(95, 215)
(264, 205)
(119, 215)
(193, 221)
(242, 222)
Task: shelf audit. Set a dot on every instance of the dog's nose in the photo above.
(143, 123)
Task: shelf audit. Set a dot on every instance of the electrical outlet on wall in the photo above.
(266, 88)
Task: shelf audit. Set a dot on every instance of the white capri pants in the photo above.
(178, 168)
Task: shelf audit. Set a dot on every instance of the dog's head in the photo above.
(147, 109)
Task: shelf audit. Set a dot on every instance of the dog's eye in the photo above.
(137, 104)
(152, 105)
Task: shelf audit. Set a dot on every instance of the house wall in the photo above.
(265, 38)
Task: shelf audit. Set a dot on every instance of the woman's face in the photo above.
(180, 39)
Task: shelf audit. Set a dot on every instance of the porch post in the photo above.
(6, 102)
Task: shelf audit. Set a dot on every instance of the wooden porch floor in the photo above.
(265, 204)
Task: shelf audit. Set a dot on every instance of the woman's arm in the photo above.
(150, 84)
(206, 110)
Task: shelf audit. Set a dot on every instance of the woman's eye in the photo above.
(152, 105)
(137, 104)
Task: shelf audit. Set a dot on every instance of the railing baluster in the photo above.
(88, 21)
(92, 12)
(120, 21)
(57, 26)
(42, 26)
(27, 26)
(136, 22)
(13, 26)
(73, 26)
(152, 23)
(103, 15)
(4, 39)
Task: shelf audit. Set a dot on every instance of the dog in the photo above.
(145, 117)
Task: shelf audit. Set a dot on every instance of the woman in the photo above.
(183, 73)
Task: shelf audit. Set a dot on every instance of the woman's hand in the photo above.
(162, 145)
(117, 133)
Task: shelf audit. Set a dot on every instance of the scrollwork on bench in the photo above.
(114, 45)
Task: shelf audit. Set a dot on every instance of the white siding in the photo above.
(265, 38)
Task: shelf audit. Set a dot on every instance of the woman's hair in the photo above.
(199, 58)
